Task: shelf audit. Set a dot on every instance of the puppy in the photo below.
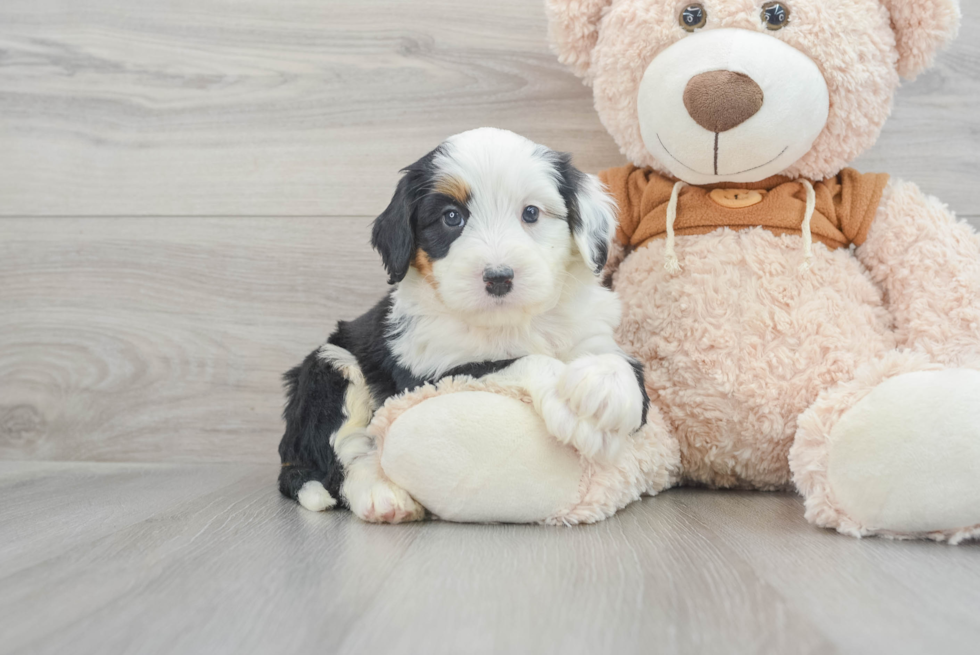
(494, 245)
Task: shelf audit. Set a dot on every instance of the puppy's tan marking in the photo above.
(423, 265)
(455, 188)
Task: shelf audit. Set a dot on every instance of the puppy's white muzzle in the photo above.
(731, 105)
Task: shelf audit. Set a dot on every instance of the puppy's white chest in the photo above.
(432, 348)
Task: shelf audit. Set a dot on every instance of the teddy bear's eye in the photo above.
(775, 15)
(693, 17)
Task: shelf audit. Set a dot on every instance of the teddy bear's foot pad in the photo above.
(905, 459)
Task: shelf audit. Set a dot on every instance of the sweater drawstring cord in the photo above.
(670, 254)
(811, 207)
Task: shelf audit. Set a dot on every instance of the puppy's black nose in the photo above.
(500, 280)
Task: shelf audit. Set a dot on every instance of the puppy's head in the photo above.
(495, 225)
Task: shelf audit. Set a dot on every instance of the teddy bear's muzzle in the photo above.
(731, 105)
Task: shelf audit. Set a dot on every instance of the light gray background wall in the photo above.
(186, 189)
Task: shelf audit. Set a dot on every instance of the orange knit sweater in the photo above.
(846, 206)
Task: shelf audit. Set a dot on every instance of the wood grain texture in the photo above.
(165, 339)
(53, 507)
(228, 566)
(304, 107)
(879, 595)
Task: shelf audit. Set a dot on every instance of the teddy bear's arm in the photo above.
(928, 265)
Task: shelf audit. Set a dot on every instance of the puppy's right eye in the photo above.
(693, 17)
(453, 218)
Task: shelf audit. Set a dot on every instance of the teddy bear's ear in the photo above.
(574, 29)
(922, 27)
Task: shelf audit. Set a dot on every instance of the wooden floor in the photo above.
(186, 190)
(205, 558)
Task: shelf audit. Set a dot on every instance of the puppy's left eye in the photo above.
(453, 218)
(531, 214)
(775, 15)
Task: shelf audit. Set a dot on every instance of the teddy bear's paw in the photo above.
(579, 433)
(382, 501)
(603, 391)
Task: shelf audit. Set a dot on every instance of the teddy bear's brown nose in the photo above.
(721, 100)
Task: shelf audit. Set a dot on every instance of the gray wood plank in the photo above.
(309, 108)
(237, 571)
(165, 339)
(52, 507)
(876, 595)
(649, 580)
(233, 567)
(270, 108)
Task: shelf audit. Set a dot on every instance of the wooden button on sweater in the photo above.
(737, 198)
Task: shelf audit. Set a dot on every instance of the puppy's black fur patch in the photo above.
(366, 338)
(432, 235)
(393, 233)
(638, 371)
(315, 392)
(570, 181)
(479, 369)
(312, 414)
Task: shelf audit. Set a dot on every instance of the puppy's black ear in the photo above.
(393, 232)
(591, 212)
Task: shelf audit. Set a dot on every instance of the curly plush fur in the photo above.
(739, 343)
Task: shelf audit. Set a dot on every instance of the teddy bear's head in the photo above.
(740, 90)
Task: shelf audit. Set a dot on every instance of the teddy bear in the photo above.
(802, 325)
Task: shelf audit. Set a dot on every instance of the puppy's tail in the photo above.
(306, 486)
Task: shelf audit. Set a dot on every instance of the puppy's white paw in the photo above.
(314, 497)
(383, 502)
(580, 433)
(603, 390)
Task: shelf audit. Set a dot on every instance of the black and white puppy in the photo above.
(495, 245)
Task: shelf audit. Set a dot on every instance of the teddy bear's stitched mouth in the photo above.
(716, 173)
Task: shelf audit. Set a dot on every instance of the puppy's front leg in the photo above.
(368, 491)
(599, 399)
(592, 404)
(605, 393)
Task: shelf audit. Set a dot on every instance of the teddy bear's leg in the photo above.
(478, 450)
(368, 491)
(895, 451)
